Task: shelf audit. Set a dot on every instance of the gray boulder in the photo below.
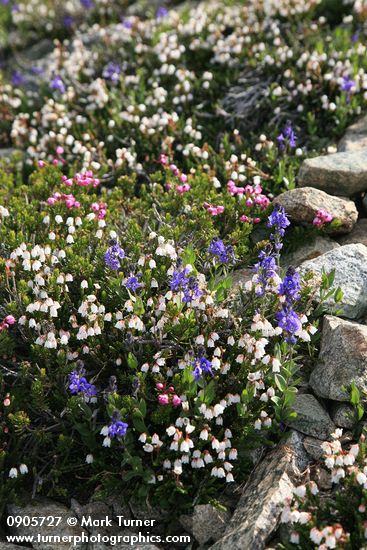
(312, 419)
(343, 174)
(309, 251)
(357, 235)
(313, 447)
(301, 204)
(343, 415)
(257, 514)
(350, 265)
(355, 137)
(47, 508)
(9, 546)
(206, 523)
(342, 359)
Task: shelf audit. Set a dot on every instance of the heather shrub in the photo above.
(127, 357)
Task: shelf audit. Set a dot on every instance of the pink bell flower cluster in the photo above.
(69, 200)
(100, 208)
(183, 186)
(322, 217)
(253, 194)
(7, 322)
(82, 179)
(213, 210)
(248, 219)
(167, 396)
(253, 197)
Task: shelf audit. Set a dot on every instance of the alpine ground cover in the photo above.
(151, 141)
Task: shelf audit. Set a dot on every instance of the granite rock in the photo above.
(302, 204)
(343, 174)
(313, 447)
(343, 415)
(312, 419)
(342, 359)
(357, 235)
(350, 265)
(46, 507)
(355, 138)
(206, 523)
(257, 514)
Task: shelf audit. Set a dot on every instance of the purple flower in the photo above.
(161, 12)
(112, 72)
(79, 384)
(355, 36)
(286, 137)
(202, 366)
(127, 23)
(17, 79)
(347, 84)
(117, 428)
(290, 286)
(278, 221)
(182, 281)
(57, 84)
(266, 268)
(68, 21)
(223, 252)
(113, 256)
(88, 4)
(288, 320)
(36, 70)
(132, 283)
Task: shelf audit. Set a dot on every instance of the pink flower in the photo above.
(69, 200)
(7, 322)
(67, 181)
(244, 218)
(100, 209)
(84, 179)
(213, 210)
(183, 188)
(322, 216)
(176, 401)
(253, 194)
(10, 320)
(163, 399)
(41, 163)
(174, 169)
(159, 386)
